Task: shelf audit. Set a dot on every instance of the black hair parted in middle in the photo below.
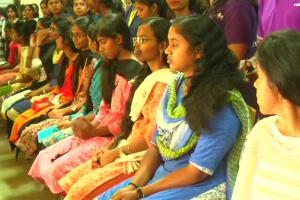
(83, 23)
(64, 27)
(217, 71)
(114, 25)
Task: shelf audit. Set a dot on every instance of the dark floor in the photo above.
(15, 184)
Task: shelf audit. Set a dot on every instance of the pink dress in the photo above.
(57, 160)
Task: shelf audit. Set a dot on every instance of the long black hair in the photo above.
(216, 73)
(111, 26)
(25, 29)
(64, 29)
(14, 8)
(278, 56)
(161, 4)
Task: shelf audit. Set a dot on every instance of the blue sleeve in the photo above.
(154, 138)
(214, 144)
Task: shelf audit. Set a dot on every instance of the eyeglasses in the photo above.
(140, 40)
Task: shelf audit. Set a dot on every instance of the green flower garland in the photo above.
(175, 113)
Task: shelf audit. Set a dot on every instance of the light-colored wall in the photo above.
(4, 3)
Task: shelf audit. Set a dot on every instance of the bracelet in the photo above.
(140, 192)
(8, 82)
(135, 185)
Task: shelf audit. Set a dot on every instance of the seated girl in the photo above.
(82, 77)
(196, 123)
(112, 165)
(62, 129)
(269, 165)
(20, 76)
(120, 67)
(59, 96)
(43, 48)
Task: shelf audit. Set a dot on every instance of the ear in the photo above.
(154, 8)
(119, 39)
(198, 53)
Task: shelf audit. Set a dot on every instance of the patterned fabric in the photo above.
(57, 136)
(142, 93)
(246, 117)
(217, 193)
(54, 162)
(67, 154)
(84, 179)
(91, 179)
(174, 136)
(28, 140)
(66, 94)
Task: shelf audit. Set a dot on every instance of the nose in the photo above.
(167, 50)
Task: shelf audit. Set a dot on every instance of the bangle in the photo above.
(140, 192)
(8, 82)
(134, 185)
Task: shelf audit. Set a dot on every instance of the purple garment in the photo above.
(276, 15)
(238, 19)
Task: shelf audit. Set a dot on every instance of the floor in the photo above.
(15, 184)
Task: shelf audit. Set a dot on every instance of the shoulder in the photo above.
(225, 121)
(162, 75)
(128, 69)
(263, 127)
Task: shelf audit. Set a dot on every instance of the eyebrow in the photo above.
(173, 40)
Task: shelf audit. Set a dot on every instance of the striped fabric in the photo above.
(246, 116)
(269, 167)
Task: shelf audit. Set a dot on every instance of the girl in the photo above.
(12, 13)
(44, 8)
(28, 12)
(56, 7)
(271, 153)
(81, 8)
(119, 69)
(80, 40)
(196, 124)
(54, 133)
(182, 8)
(24, 76)
(101, 171)
(66, 90)
(150, 8)
(43, 48)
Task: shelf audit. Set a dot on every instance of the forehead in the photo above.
(145, 30)
(79, 1)
(76, 28)
(54, 1)
(174, 34)
(28, 8)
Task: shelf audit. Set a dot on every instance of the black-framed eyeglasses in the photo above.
(140, 40)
